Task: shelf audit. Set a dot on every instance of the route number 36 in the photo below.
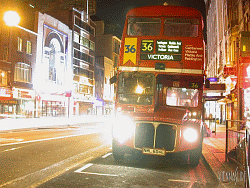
(194, 85)
(147, 47)
(130, 48)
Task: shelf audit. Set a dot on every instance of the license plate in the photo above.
(151, 151)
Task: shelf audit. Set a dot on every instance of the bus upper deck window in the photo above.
(181, 27)
(144, 26)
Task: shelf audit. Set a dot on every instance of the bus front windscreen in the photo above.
(139, 26)
(177, 27)
(136, 88)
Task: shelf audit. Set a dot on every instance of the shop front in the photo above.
(51, 105)
(53, 108)
(26, 102)
(109, 107)
(83, 104)
(9, 108)
(214, 105)
(246, 86)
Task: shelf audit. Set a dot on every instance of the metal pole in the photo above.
(29, 31)
(226, 140)
(87, 10)
(68, 105)
(238, 83)
(215, 117)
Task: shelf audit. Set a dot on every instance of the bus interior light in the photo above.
(139, 89)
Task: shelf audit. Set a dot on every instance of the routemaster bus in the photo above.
(160, 80)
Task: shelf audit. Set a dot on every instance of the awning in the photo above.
(215, 88)
(6, 98)
(213, 98)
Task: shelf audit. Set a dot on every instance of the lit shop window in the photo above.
(22, 72)
(3, 78)
(19, 44)
(28, 47)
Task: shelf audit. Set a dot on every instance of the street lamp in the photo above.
(11, 18)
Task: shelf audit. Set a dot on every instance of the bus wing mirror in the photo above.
(207, 83)
(113, 79)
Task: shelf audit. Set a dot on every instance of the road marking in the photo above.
(39, 177)
(99, 174)
(108, 154)
(84, 167)
(10, 139)
(186, 181)
(80, 170)
(11, 149)
(45, 139)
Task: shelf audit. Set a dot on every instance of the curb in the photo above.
(211, 169)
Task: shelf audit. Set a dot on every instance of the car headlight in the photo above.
(123, 128)
(190, 134)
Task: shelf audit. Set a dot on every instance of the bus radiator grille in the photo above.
(164, 138)
(144, 135)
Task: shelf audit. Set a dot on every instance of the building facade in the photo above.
(53, 69)
(88, 6)
(17, 61)
(228, 56)
(83, 59)
(107, 55)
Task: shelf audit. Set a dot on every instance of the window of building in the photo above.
(91, 90)
(28, 47)
(75, 86)
(3, 78)
(22, 72)
(52, 63)
(116, 59)
(116, 46)
(83, 89)
(76, 37)
(91, 45)
(85, 42)
(5, 53)
(19, 44)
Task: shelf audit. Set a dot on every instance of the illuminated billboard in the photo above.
(53, 71)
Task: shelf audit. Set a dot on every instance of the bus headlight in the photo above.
(190, 135)
(123, 128)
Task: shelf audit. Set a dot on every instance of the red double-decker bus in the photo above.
(160, 83)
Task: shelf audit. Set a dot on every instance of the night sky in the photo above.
(115, 10)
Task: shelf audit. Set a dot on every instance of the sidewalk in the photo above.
(214, 154)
